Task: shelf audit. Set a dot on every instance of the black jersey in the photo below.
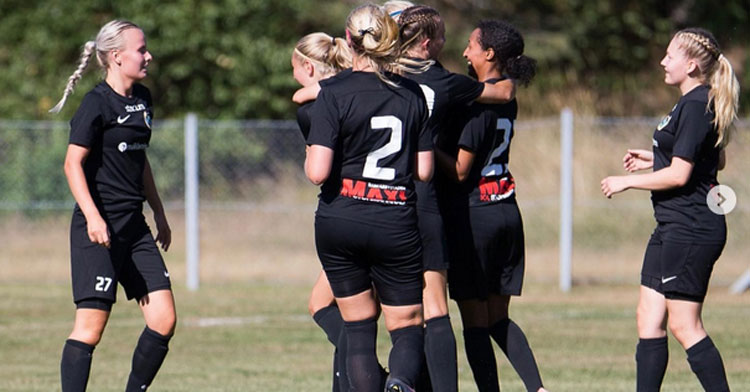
(487, 133)
(117, 131)
(375, 131)
(303, 118)
(688, 132)
(442, 90)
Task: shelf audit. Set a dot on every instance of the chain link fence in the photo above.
(256, 206)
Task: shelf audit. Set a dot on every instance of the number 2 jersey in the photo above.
(375, 131)
(486, 130)
(117, 132)
(688, 132)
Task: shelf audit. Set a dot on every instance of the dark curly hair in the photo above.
(507, 43)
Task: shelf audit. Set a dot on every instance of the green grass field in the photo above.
(256, 336)
(247, 328)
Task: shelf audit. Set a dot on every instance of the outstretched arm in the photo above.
(675, 175)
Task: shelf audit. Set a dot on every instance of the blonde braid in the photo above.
(705, 42)
(88, 51)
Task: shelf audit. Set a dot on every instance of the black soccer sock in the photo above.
(340, 358)
(147, 359)
(705, 361)
(362, 368)
(440, 350)
(75, 365)
(651, 357)
(336, 386)
(512, 341)
(330, 321)
(405, 360)
(481, 358)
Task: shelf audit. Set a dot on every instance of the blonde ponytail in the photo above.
(375, 37)
(725, 95)
(108, 39)
(88, 51)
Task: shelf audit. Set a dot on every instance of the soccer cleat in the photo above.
(396, 385)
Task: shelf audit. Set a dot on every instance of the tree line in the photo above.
(231, 58)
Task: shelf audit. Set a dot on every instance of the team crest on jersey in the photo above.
(664, 122)
(147, 118)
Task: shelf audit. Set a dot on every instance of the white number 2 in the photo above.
(371, 169)
(497, 169)
(102, 283)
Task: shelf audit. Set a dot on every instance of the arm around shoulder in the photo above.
(501, 92)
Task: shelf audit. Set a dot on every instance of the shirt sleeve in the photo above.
(425, 141)
(324, 121)
(87, 123)
(463, 89)
(303, 118)
(473, 133)
(693, 129)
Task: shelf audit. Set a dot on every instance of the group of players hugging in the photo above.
(416, 197)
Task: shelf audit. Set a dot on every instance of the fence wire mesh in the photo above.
(256, 206)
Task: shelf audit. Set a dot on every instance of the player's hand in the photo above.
(163, 232)
(636, 160)
(614, 184)
(98, 231)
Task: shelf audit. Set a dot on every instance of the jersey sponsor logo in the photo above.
(368, 191)
(664, 122)
(121, 119)
(492, 189)
(122, 147)
(135, 108)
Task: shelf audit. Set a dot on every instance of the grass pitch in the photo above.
(257, 336)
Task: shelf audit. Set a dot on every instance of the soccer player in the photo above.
(110, 177)
(483, 223)
(688, 151)
(423, 36)
(318, 56)
(367, 144)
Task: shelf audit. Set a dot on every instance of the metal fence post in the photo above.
(192, 238)
(566, 198)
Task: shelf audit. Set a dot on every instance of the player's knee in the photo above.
(90, 336)
(165, 325)
(434, 309)
(315, 304)
(684, 331)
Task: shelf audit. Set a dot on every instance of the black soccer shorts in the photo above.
(489, 257)
(355, 255)
(133, 260)
(679, 270)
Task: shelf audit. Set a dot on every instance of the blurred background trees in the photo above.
(230, 58)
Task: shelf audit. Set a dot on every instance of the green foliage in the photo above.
(31, 164)
(230, 58)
